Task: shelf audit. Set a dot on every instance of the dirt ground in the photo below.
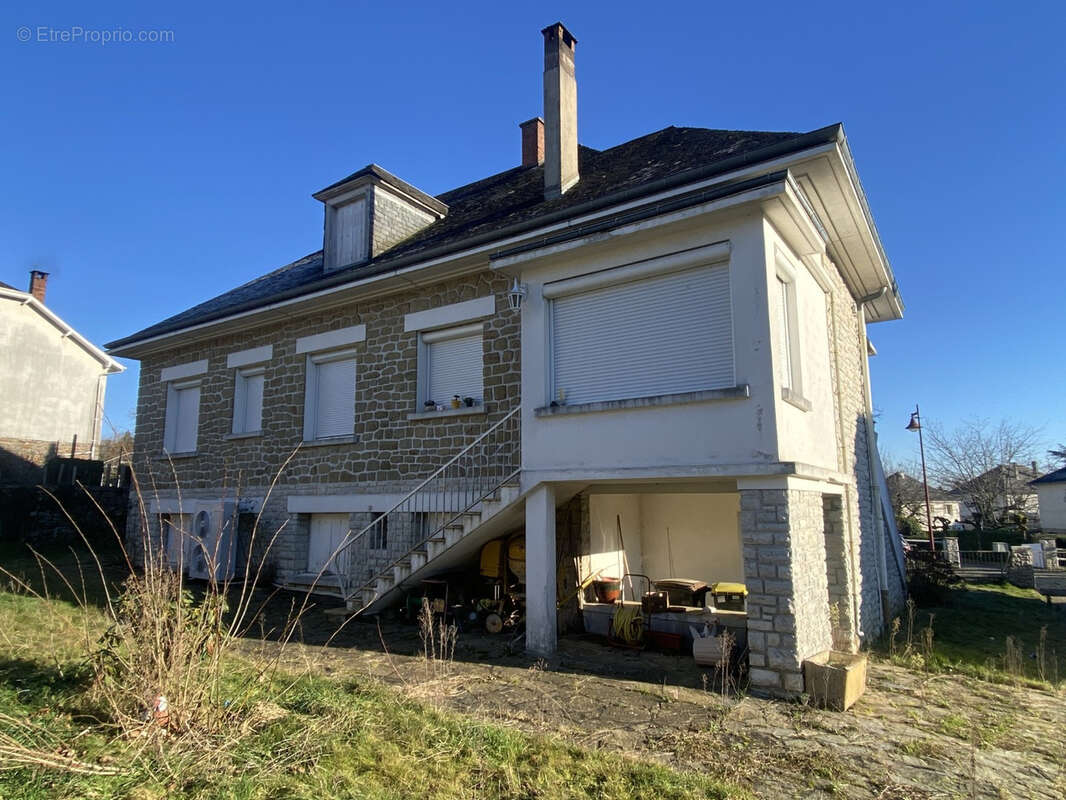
(912, 735)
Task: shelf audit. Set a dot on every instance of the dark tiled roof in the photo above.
(7, 286)
(1058, 476)
(509, 199)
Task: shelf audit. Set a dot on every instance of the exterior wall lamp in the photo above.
(516, 294)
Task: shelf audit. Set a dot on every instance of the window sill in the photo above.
(249, 435)
(656, 401)
(796, 399)
(327, 442)
(448, 412)
(177, 456)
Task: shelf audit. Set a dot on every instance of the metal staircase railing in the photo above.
(475, 473)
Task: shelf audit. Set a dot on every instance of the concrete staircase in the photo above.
(471, 499)
(460, 539)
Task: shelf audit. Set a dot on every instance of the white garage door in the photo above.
(661, 335)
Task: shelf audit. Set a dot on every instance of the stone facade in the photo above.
(788, 596)
(861, 514)
(389, 452)
(392, 221)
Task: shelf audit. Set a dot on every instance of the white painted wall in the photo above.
(51, 387)
(692, 536)
(682, 534)
(1052, 499)
(719, 432)
(806, 436)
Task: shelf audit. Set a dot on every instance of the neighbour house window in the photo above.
(667, 334)
(248, 400)
(329, 404)
(182, 417)
(452, 365)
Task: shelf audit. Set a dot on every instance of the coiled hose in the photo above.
(627, 625)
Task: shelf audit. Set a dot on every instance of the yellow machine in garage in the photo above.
(503, 564)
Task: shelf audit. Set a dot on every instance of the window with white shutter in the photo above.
(452, 364)
(329, 407)
(248, 400)
(662, 335)
(347, 234)
(182, 417)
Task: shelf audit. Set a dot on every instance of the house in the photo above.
(908, 500)
(1051, 500)
(52, 380)
(999, 494)
(650, 358)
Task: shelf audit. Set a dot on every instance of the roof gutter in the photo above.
(827, 135)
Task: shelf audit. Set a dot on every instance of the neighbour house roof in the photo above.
(514, 201)
(25, 298)
(1058, 476)
(903, 484)
(1008, 475)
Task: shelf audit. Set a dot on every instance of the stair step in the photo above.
(400, 571)
(418, 560)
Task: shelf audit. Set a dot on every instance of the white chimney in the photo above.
(560, 111)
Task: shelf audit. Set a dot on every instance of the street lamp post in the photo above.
(916, 425)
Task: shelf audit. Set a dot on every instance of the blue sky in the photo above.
(148, 177)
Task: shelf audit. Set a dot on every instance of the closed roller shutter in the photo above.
(455, 367)
(186, 419)
(662, 335)
(335, 398)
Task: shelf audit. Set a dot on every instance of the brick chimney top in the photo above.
(532, 142)
(38, 284)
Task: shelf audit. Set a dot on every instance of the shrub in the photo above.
(929, 577)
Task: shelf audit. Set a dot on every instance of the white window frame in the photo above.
(240, 399)
(311, 393)
(425, 341)
(786, 320)
(171, 423)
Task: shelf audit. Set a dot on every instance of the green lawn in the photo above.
(294, 737)
(970, 633)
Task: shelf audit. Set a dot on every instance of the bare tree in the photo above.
(983, 462)
(1058, 454)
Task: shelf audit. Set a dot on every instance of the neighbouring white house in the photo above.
(647, 359)
(908, 499)
(1051, 500)
(52, 381)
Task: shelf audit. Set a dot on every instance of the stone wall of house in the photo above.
(788, 596)
(392, 221)
(391, 452)
(847, 345)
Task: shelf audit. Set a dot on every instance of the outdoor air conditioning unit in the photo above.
(213, 541)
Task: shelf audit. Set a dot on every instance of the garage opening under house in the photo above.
(647, 360)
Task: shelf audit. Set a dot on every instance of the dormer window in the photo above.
(370, 212)
(346, 233)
